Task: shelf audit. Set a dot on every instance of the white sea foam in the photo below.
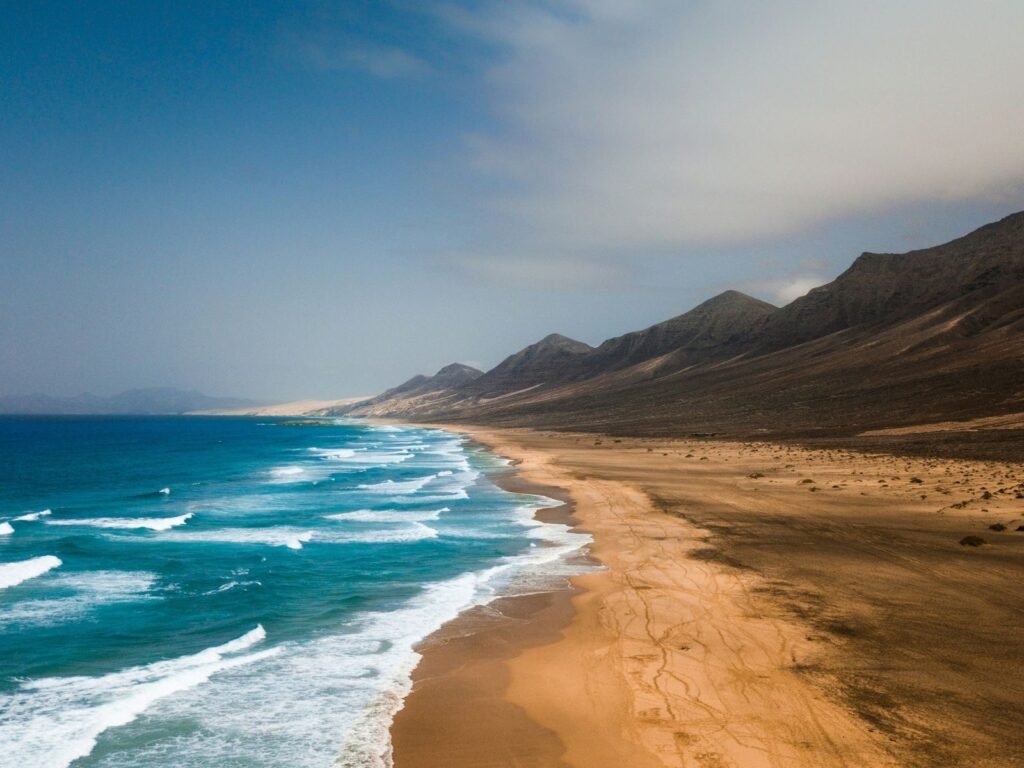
(23, 570)
(165, 491)
(288, 474)
(51, 722)
(314, 471)
(6, 529)
(33, 516)
(456, 481)
(78, 594)
(280, 536)
(388, 515)
(228, 586)
(443, 498)
(415, 531)
(442, 488)
(292, 709)
(333, 454)
(363, 457)
(127, 523)
(397, 487)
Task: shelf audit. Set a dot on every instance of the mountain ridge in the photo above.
(931, 334)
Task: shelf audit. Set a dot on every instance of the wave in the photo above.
(128, 523)
(293, 538)
(33, 516)
(442, 498)
(294, 708)
(88, 591)
(397, 487)
(288, 474)
(54, 721)
(363, 456)
(447, 488)
(388, 515)
(229, 585)
(23, 570)
(333, 454)
(6, 529)
(416, 531)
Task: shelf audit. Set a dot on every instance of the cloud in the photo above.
(786, 289)
(525, 270)
(658, 123)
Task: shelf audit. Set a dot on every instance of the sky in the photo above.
(280, 200)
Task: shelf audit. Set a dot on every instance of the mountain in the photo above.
(884, 288)
(715, 330)
(929, 336)
(544, 361)
(152, 401)
(418, 393)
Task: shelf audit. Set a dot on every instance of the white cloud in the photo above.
(662, 123)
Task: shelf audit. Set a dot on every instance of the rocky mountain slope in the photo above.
(418, 393)
(897, 339)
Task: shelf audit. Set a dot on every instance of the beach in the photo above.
(759, 605)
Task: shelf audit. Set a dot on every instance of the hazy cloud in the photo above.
(542, 271)
(626, 125)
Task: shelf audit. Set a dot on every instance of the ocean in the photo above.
(239, 592)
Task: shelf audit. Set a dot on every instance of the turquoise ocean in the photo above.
(239, 592)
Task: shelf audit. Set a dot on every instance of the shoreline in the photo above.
(747, 616)
(455, 715)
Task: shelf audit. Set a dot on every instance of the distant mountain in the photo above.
(152, 401)
(897, 339)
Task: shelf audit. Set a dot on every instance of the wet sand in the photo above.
(763, 605)
(456, 716)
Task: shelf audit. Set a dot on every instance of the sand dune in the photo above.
(294, 408)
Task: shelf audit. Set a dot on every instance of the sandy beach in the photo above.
(760, 605)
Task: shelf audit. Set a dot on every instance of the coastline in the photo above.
(456, 716)
(745, 616)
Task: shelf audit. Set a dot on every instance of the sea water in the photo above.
(239, 592)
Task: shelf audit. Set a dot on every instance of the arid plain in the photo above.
(760, 605)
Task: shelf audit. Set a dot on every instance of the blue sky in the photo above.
(281, 200)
